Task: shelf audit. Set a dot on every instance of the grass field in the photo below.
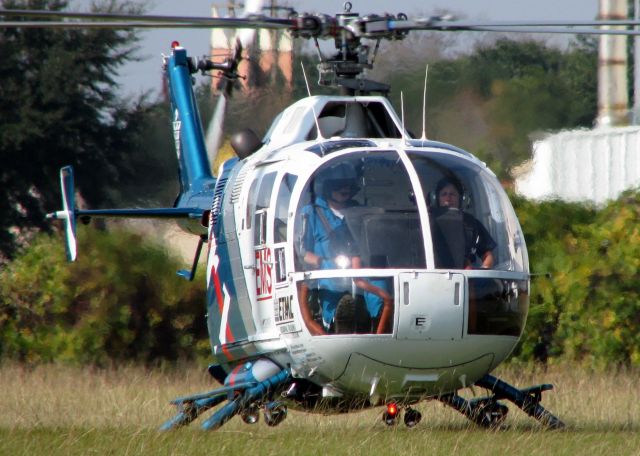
(53, 410)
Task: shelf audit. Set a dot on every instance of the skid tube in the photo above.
(488, 412)
(191, 407)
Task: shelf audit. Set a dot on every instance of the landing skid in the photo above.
(488, 412)
(240, 398)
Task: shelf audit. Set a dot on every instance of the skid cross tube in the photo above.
(191, 407)
(190, 410)
(245, 399)
(487, 411)
(527, 399)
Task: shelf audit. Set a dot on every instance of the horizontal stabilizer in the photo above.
(168, 213)
(70, 214)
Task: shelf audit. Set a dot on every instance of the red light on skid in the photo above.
(175, 44)
(390, 415)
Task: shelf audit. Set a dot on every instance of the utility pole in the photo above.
(636, 67)
(613, 98)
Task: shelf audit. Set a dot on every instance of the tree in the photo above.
(58, 107)
(120, 302)
(585, 295)
(531, 87)
(491, 99)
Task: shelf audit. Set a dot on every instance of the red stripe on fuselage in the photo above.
(219, 297)
(233, 374)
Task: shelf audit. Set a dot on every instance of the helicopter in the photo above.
(339, 275)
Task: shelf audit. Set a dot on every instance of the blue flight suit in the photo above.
(317, 238)
(373, 301)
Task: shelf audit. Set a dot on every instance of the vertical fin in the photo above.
(187, 128)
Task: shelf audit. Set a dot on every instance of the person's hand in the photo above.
(313, 260)
(316, 329)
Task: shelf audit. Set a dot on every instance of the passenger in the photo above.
(477, 242)
(327, 243)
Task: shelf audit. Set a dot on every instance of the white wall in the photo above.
(588, 165)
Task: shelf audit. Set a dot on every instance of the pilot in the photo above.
(461, 241)
(327, 243)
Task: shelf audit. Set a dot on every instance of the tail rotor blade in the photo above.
(68, 212)
(243, 39)
(68, 206)
(216, 127)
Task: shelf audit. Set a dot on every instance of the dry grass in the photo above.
(63, 410)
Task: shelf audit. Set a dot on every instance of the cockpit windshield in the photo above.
(359, 211)
(472, 223)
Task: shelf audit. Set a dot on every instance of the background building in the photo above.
(270, 54)
(594, 165)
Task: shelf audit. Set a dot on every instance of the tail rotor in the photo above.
(68, 212)
(229, 75)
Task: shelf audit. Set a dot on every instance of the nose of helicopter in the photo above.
(431, 306)
(450, 328)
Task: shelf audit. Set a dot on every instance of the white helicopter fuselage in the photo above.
(450, 323)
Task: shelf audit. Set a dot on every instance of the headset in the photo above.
(336, 177)
(465, 198)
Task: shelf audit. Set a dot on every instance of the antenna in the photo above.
(424, 105)
(404, 139)
(306, 81)
(315, 116)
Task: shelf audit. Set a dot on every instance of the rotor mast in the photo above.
(347, 68)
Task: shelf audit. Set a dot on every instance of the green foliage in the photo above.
(121, 301)
(150, 176)
(58, 107)
(530, 87)
(490, 100)
(588, 308)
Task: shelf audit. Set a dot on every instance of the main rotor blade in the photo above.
(585, 31)
(113, 20)
(366, 26)
(558, 26)
(101, 25)
(541, 23)
(254, 17)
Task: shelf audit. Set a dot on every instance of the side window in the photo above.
(261, 205)
(251, 203)
(281, 215)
